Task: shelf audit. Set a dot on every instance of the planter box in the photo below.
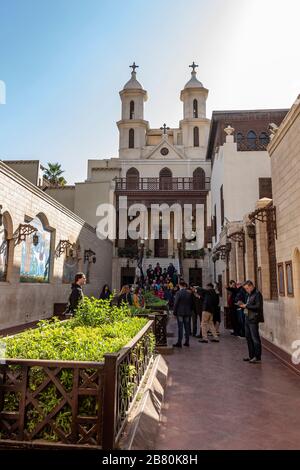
(110, 386)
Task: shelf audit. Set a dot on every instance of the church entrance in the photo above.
(160, 246)
(195, 276)
(127, 276)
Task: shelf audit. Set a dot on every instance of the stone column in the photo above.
(262, 251)
(171, 239)
(240, 271)
(150, 240)
(249, 257)
(232, 262)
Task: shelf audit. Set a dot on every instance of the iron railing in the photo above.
(162, 184)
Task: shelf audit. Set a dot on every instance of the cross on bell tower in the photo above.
(133, 67)
(194, 66)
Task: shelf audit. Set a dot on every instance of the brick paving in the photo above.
(214, 400)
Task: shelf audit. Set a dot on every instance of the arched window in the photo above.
(195, 108)
(251, 140)
(131, 138)
(264, 139)
(199, 178)
(239, 137)
(6, 246)
(132, 178)
(131, 112)
(196, 136)
(165, 179)
(4, 249)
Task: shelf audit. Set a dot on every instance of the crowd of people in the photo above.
(196, 309)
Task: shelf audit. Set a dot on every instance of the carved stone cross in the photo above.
(164, 128)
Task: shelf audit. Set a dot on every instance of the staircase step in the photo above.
(164, 263)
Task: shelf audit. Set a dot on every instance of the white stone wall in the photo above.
(239, 173)
(179, 168)
(21, 303)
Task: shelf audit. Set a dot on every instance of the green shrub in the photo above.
(152, 301)
(139, 311)
(71, 342)
(95, 312)
(96, 329)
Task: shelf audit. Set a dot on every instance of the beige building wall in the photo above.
(282, 318)
(22, 303)
(30, 169)
(64, 194)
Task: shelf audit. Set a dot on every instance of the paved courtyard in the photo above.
(214, 400)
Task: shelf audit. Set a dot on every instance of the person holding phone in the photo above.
(254, 315)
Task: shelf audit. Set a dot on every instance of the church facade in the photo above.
(220, 168)
(220, 165)
(155, 166)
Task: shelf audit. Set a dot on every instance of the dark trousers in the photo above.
(253, 339)
(195, 317)
(183, 322)
(235, 320)
(241, 318)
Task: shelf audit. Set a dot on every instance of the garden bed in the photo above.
(73, 383)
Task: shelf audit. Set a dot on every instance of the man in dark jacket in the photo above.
(210, 305)
(240, 298)
(197, 311)
(234, 316)
(183, 310)
(253, 316)
(76, 295)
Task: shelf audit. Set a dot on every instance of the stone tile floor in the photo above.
(214, 400)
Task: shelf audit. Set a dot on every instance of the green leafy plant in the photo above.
(97, 328)
(152, 301)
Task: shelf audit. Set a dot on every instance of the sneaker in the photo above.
(215, 340)
(177, 345)
(255, 361)
(203, 340)
(187, 345)
(246, 359)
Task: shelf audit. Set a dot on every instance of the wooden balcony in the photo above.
(162, 184)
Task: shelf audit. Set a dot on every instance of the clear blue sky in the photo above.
(64, 62)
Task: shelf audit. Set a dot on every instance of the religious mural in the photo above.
(3, 253)
(35, 261)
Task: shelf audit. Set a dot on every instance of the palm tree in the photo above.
(53, 175)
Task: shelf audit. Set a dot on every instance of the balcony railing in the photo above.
(252, 144)
(162, 184)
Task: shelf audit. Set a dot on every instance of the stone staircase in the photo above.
(164, 262)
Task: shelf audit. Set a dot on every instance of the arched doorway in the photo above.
(199, 178)
(132, 178)
(165, 179)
